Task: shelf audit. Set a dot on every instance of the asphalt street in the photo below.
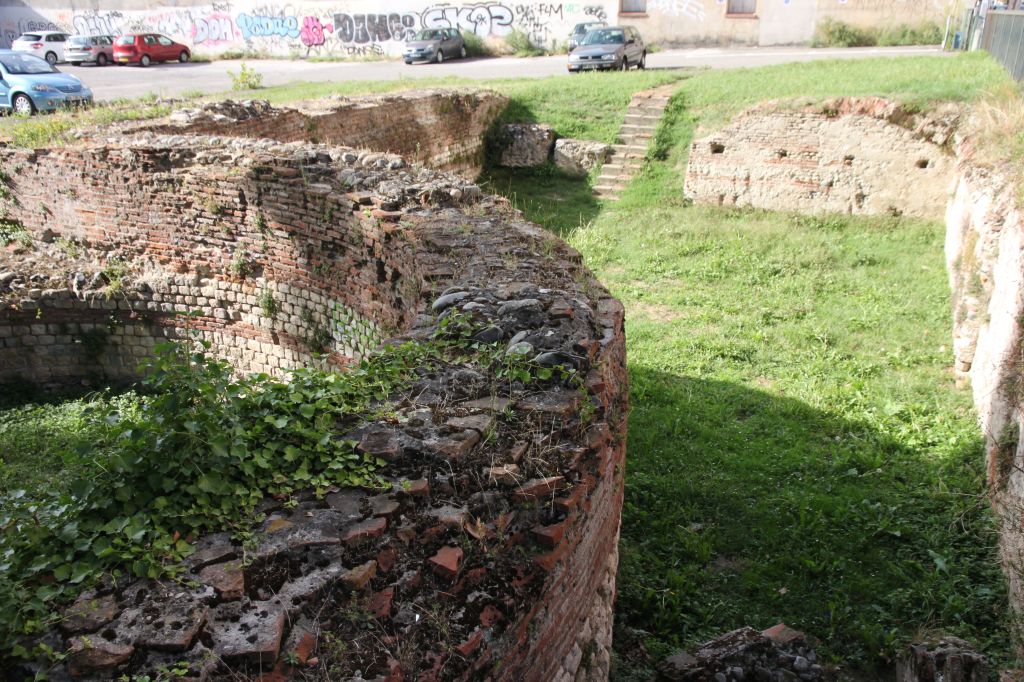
(167, 80)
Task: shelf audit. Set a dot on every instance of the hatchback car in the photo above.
(98, 50)
(614, 47)
(434, 45)
(46, 44)
(145, 48)
(580, 30)
(29, 84)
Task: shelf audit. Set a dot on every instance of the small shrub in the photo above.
(832, 33)
(521, 46)
(246, 78)
(922, 34)
(476, 47)
(13, 231)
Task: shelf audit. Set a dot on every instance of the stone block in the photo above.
(578, 157)
(527, 145)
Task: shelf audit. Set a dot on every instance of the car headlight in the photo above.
(574, 58)
(610, 55)
(43, 87)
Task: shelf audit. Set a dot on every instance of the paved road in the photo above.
(173, 79)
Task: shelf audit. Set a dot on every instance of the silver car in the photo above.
(98, 50)
(434, 45)
(613, 47)
(580, 30)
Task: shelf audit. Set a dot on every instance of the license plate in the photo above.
(123, 59)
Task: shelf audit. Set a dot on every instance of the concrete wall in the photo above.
(353, 28)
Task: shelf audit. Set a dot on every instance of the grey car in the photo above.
(580, 30)
(434, 45)
(98, 50)
(612, 47)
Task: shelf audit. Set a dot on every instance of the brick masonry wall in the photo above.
(210, 225)
(442, 128)
(855, 155)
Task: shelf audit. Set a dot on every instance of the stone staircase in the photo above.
(628, 153)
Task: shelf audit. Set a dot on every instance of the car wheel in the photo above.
(22, 104)
(440, 57)
(408, 61)
(101, 59)
(76, 63)
(51, 57)
(642, 64)
(625, 65)
(144, 60)
(462, 52)
(183, 57)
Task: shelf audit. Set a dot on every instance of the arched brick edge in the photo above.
(494, 554)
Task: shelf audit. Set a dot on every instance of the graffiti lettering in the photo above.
(535, 20)
(373, 28)
(689, 8)
(96, 23)
(213, 30)
(491, 19)
(265, 26)
(373, 50)
(596, 11)
(313, 32)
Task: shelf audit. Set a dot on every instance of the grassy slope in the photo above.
(798, 451)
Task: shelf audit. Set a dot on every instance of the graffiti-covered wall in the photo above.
(359, 27)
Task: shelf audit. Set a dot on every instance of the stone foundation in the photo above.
(863, 156)
(443, 129)
(493, 554)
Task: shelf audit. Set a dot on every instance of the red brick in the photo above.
(538, 487)
(446, 562)
(471, 644)
(361, 532)
(549, 536)
(227, 578)
(357, 578)
(380, 604)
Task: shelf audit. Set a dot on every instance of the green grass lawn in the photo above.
(797, 450)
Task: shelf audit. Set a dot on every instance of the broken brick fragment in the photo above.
(446, 562)
(88, 655)
(357, 578)
(550, 536)
(538, 487)
(361, 532)
(380, 604)
(228, 579)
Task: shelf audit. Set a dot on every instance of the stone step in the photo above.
(637, 129)
(642, 120)
(629, 148)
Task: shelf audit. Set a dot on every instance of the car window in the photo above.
(125, 40)
(56, 38)
(165, 41)
(428, 35)
(80, 41)
(104, 40)
(25, 64)
(602, 36)
(149, 40)
(31, 36)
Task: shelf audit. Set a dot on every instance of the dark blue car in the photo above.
(29, 84)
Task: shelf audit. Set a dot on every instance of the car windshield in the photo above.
(31, 36)
(126, 40)
(581, 29)
(427, 35)
(25, 64)
(79, 40)
(604, 37)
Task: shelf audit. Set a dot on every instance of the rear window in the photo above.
(30, 36)
(81, 41)
(126, 40)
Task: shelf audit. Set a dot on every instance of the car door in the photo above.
(5, 90)
(451, 49)
(151, 47)
(632, 55)
(55, 43)
(167, 49)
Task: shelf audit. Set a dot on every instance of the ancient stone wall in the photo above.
(985, 259)
(854, 155)
(443, 129)
(494, 552)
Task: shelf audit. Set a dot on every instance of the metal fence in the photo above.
(1003, 38)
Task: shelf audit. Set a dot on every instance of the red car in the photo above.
(144, 48)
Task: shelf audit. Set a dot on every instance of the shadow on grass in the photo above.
(746, 508)
(546, 196)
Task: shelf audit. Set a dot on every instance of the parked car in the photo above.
(29, 84)
(145, 48)
(434, 45)
(580, 30)
(612, 47)
(98, 50)
(46, 44)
